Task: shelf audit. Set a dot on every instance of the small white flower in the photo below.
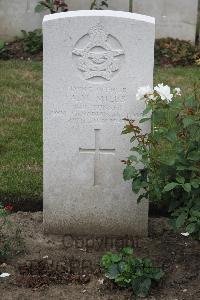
(164, 92)
(185, 233)
(143, 91)
(4, 275)
(177, 91)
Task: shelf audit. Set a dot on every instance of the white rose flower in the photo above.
(164, 92)
(4, 275)
(185, 233)
(177, 91)
(143, 91)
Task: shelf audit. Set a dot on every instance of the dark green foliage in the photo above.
(176, 52)
(3, 51)
(32, 41)
(170, 155)
(127, 271)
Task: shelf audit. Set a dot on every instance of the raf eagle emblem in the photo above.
(97, 58)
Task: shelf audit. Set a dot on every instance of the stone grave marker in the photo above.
(94, 62)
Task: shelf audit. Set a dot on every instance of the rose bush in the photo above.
(165, 164)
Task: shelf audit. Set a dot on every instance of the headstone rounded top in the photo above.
(99, 13)
(94, 62)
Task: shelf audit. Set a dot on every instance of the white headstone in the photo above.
(94, 62)
(174, 18)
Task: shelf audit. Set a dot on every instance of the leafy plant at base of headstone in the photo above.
(99, 4)
(175, 52)
(32, 41)
(127, 271)
(54, 6)
(170, 154)
(12, 243)
(3, 51)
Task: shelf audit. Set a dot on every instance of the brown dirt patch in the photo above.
(52, 269)
(14, 50)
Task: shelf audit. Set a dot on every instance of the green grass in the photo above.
(183, 77)
(21, 125)
(20, 131)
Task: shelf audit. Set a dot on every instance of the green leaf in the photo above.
(188, 121)
(134, 148)
(181, 168)
(170, 186)
(190, 101)
(106, 260)
(138, 184)
(129, 173)
(120, 280)
(115, 258)
(133, 158)
(144, 120)
(132, 140)
(191, 227)
(122, 266)
(195, 183)
(127, 251)
(147, 110)
(195, 213)
(187, 187)
(180, 179)
(171, 135)
(194, 169)
(193, 219)
(169, 160)
(141, 286)
(113, 272)
(158, 274)
(181, 219)
(127, 280)
(147, 262)
(194, 155)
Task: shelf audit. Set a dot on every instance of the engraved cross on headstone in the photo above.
(97, 151)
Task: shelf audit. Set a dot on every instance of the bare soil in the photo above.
(15, 50)
(57, 267)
